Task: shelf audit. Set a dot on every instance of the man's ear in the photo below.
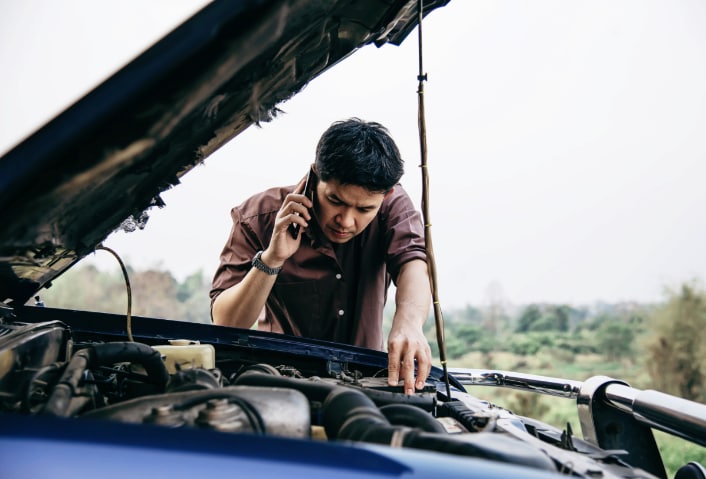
(389, 192)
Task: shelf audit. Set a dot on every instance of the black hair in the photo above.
(357, 152)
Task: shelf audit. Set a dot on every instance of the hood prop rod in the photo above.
(431, 262)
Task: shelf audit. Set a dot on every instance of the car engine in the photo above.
(47, 368)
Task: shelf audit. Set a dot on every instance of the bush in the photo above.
(676, 360)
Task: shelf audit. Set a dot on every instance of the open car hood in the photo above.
(109, 156)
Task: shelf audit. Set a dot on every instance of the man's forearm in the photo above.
(240, 305)
(413, 296)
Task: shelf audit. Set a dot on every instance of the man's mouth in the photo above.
(338, 233)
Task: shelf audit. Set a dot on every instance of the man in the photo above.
(319, 257)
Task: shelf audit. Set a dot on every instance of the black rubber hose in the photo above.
(383, 398)
(59, 403)
(121, 352)
(62, 394)
(493, 446)
(351, 415)
(348, 412)
(318, 390)
(406, 415)
(313, 390)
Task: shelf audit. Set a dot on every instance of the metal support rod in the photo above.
(671, 414)
(565, 388)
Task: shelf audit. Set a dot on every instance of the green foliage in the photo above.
(154, 293)
(675, 350)
(530, 405)
(544, 318)
(615, 339)
(528, 318)
(531, 343)
(676, 452)
(460, 338)
(561, 317)
(525, 345)
(576, 342)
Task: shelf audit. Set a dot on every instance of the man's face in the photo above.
(345, 210)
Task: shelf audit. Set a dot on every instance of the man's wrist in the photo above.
(260, 264)
(269, 260)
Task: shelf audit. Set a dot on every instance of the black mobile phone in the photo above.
(294, 227)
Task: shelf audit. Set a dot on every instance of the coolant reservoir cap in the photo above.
(182, 342)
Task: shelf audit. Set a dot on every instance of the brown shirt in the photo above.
(325, 291)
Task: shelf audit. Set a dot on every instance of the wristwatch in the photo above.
(257, 262)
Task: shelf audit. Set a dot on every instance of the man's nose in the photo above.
(346, 218)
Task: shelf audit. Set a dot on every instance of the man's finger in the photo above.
(423, 368)
(393, 368)
(408, 374)
(300, 187)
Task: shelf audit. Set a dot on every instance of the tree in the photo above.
(546, 318)
(675, 351)
(528, 318)
(561, 316)
(154, 293)
(615, 339)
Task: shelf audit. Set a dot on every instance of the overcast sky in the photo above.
(567, 139)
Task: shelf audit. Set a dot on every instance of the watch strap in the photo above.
(259, 264)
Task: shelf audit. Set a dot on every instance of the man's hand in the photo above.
(406, 342)
(294, 209)
(241, 304)
(404, 346)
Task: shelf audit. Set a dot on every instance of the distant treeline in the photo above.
(154, 293)
(668, 339)
(664, 342)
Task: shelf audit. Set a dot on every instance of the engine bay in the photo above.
(231, 386)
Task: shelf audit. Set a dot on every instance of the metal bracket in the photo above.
(608, 427)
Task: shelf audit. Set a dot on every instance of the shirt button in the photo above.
(338, 276)
(341, 312)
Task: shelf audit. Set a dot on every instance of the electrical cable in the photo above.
(127, 286)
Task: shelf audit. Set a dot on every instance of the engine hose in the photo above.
(318, 390)
(383, 398)
(351, 415)
(62, 396)
(124, 352)
(335, 399)
(313, 390)
(406, 415)
(493, 446)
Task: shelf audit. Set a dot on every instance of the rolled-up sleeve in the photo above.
(251, 231)
(403, 231)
